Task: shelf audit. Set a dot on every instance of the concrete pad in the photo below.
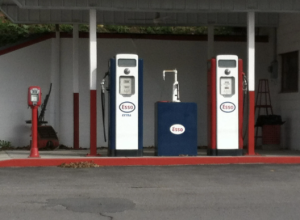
(4, 155)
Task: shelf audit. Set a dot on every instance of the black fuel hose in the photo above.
(245, 102)
(103, 113)
(103, 103)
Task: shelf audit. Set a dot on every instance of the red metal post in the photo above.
(251, 138)
(241, 102)
(76, 120)
(211, 105)
(93, 121)
(34, 152)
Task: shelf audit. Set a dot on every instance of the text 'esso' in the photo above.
(177, 129)
(227, 107)
(127, 107)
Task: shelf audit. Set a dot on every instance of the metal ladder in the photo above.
(263, 101)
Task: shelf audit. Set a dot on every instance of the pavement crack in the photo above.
(107, 216)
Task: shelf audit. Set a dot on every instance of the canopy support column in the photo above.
(55, 80)
(75, 88)
(93, 82)
(251, 81)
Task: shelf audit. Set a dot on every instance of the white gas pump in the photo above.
(225, 102)
(125, 105)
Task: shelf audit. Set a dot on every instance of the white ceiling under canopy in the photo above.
(149, 12)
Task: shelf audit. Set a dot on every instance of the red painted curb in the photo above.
(153, 161)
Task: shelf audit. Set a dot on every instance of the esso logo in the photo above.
(227, 107)
(177, 129)
(127, 107)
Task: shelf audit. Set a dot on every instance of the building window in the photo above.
(289, 77)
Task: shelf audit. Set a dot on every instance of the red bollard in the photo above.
(34, 152)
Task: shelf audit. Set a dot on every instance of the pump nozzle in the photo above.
(175, 95)
(170, 71)
(245, 83)
(102, 85)
(103, 82)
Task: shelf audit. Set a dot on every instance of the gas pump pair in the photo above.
(225, 106)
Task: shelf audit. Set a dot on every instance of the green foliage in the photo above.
(4, 144)
(151, 29)
(83, 28)
(65, 28)
(11, 33)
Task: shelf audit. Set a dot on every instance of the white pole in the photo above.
(75, 59)
(93, 82)
(251, 50)
(251, 81)
(54, 99)
(75, 87)
(93, 50)
(210, 42)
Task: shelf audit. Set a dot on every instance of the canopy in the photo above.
(149, 12)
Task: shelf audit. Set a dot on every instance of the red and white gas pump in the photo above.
(225, 106)
(34, 101)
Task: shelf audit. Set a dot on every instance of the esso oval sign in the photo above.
(227, 107)
(177, 129)
(127, 107)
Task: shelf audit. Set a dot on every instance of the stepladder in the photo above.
(263, 105)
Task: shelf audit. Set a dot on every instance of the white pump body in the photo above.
(175, 92)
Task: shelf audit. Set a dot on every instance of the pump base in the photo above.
(125, 153)
(215, 152)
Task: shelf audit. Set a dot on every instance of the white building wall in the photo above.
(20, 69)
(288, 41)
(188, 57)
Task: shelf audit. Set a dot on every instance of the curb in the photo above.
(153, 161)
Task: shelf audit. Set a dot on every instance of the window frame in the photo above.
(289, 80)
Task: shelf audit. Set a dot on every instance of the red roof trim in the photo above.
(227, 38)
(27, 43)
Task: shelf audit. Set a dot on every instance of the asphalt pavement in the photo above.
(152, 192)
